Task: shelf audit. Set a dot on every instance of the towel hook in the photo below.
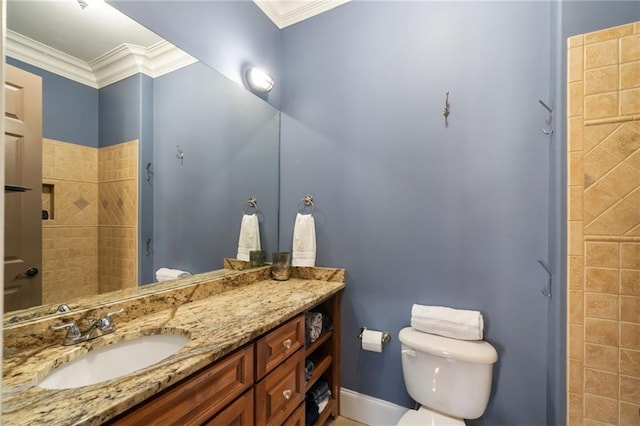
(446, 110)
(149, 172)
(180, 155)
(547, 290)
(250, 203)
(307, 200)
(550, 120)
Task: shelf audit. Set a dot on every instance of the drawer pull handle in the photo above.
(287, 344)
(287, 394)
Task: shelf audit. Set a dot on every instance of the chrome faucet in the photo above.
(100, 327)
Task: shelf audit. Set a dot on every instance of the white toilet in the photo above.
(449, 378)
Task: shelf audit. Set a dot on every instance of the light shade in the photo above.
(259, 81)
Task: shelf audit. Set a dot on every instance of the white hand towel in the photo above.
(249, 236)
(448, 322)
(304, 241)
(166, 274)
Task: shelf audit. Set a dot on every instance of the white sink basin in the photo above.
(114, 361)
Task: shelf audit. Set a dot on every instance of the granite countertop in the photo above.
(216, 325)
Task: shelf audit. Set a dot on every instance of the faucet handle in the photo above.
(73, 332)
(106, 322)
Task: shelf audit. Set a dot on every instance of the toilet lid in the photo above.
(425, 417)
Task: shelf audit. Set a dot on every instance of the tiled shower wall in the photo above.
(70, 236)
(118, 216)
(604, 227)
(89, 243)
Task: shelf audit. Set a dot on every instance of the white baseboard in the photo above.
(369, 410)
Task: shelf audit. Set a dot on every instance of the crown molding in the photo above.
(42, 56)
(283, 15)
(128, 59)
(115, 65)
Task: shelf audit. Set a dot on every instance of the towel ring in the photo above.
(251, 203)
(307, 200)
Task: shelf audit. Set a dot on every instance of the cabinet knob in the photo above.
(287, 344)
(287, 394)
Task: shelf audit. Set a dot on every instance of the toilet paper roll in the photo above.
(372, 340)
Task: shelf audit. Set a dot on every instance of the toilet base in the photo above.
(425, 417)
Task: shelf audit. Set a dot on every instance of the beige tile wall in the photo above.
(603, 331)
(118, 216)
(90, 244)
(70, 238)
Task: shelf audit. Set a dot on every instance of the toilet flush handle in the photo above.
(409, 352)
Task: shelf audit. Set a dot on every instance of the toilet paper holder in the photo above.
(386, 337)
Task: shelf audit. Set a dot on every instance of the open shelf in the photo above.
(319, 341)
(319, 369)
(324, 416)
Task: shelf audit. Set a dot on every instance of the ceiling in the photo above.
(41, 21)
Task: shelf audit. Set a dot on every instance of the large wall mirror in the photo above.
(148, 155)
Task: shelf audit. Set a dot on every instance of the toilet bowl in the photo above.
(449, 378)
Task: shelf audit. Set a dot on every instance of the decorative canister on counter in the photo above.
(256, 258)
(281, 267)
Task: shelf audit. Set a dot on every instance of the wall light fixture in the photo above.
(259, 81)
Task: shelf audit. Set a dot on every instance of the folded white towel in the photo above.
(448, 322)
(249, 236)
(304, 241)
(166, 274)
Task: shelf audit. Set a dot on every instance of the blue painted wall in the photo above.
(70, 109)
(230, 142)
(228, 35)
(418, 212)
(126, 113)
(145, 205)
(415, 211)
(120, 111)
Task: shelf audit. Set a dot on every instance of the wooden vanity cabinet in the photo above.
(261, 384)
(197, 398)
(239, 413)
(281, 392)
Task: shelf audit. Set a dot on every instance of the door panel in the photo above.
(23, 210)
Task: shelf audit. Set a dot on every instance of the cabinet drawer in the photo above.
(297, 418)
(280, 393)
(240, 413)
(276, 346)
(200, 396)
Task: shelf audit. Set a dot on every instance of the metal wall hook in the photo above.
(180, 154)
(446, 110)
(149, 172)
(148, 252)
(550, 121)
(547, 290)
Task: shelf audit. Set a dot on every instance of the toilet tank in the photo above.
(447, 375)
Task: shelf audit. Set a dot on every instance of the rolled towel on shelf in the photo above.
(455, 323)
(166, 274)
(322, 405)
(309, 368)
(313, 327)
(311, 413)
(317, 391)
